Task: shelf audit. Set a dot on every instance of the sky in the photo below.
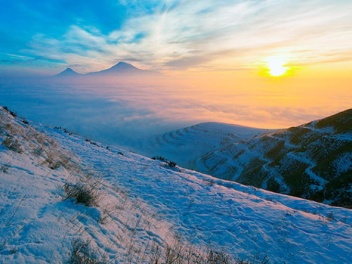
(172, 35)
(258, 63)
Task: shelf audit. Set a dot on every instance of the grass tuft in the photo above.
(82, 253)
(12, 144)
(83, 193)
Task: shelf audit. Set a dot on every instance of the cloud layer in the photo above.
(124, 113)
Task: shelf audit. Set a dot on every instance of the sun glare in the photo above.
(276, 65)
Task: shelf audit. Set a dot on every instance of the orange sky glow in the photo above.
(257, 63)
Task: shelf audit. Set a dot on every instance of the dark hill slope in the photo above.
(312, 161)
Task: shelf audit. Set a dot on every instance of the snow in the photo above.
(187, 144)
(144, 202)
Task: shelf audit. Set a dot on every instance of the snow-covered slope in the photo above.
(312, 161)
(188, 144)
(144, 209)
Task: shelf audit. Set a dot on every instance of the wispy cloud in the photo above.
(194, 34)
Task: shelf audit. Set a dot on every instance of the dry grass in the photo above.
(83, 253)
(13, 144)
(86, 193)
(181, 252)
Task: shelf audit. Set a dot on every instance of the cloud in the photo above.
(14, 58)
(189, 34)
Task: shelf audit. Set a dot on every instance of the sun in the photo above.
(277, 65)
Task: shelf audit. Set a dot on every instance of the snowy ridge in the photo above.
(312, 161)
(187, 144)
(144, 203)
(38, 226)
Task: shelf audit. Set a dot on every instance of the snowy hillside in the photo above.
(312, 161)
(143, 211)
(188, 144)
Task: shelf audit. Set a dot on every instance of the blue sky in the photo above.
(170, 35)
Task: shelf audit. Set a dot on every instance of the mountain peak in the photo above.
(68, 72)
(124, 66)
(121, 68)
(122, 63)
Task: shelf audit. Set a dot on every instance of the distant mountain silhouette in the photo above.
(120, 69)
(67, 73)
(123, 69)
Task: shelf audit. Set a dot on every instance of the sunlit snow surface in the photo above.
(146, 202)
